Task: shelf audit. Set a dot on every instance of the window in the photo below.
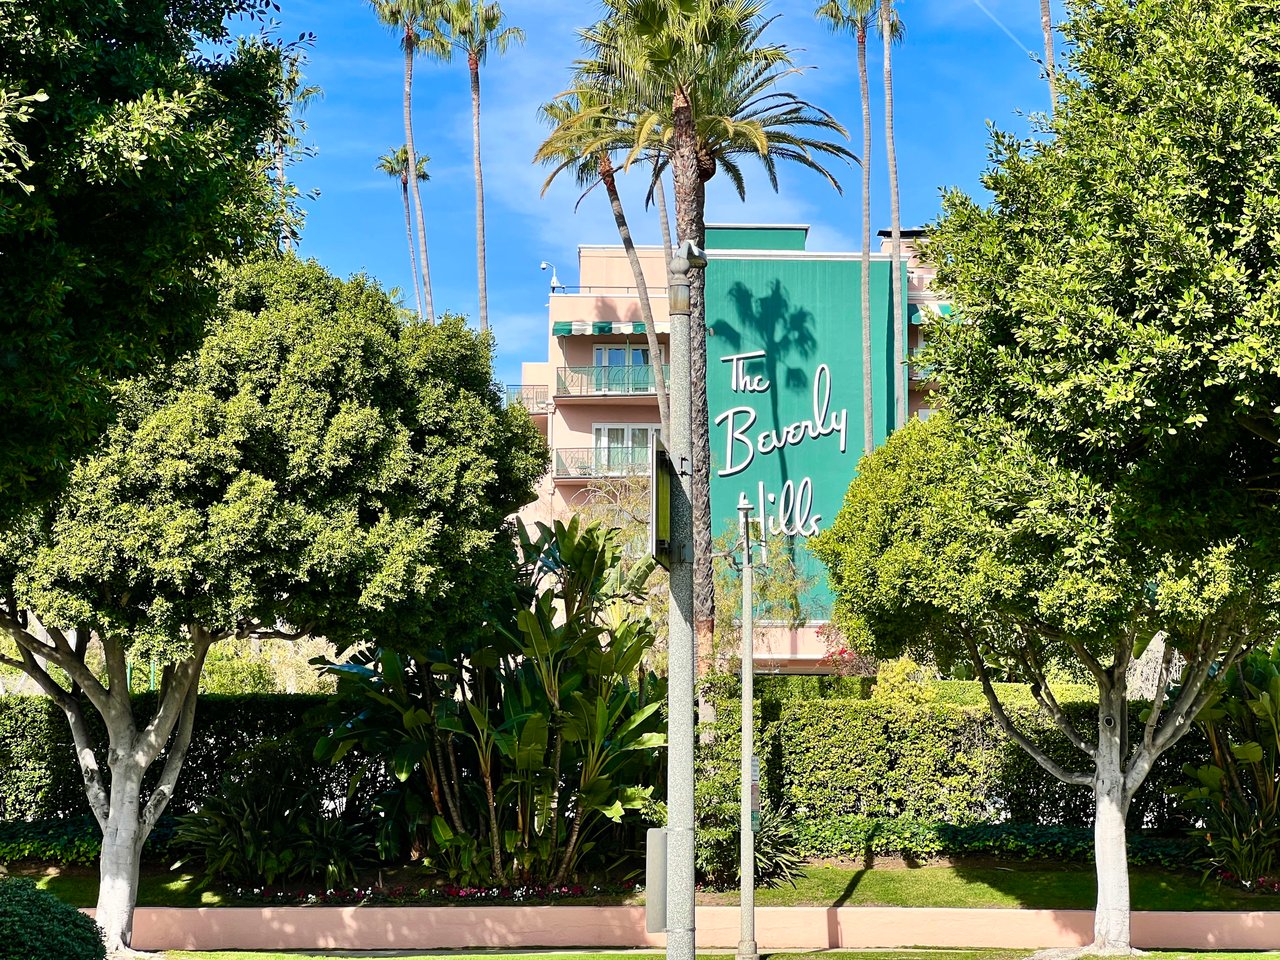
(623, 447)
(622, 368)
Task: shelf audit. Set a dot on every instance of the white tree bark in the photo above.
(1111, 806)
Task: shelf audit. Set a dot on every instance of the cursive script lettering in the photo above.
(741, 447)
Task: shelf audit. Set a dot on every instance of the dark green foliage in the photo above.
(864, 838)
(41, 781)
(145, 173)
(69, 840)
(940, 761)
(1237, 794)
(270, 823)
(718, 785)
(37, 924)
(519, 743)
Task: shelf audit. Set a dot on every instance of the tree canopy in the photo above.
(130, 163)
(1120, 297)
(316, 468)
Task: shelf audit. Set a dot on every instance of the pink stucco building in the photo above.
(594, 398)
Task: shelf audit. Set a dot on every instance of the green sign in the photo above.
(785, 391)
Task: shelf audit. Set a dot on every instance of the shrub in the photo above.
(269, 823)
(1237, 794)
(34, 923)
(865, 838)
(40, 779)
(68, 840)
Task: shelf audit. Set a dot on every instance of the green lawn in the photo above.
(155, 889)
(987, 885)
(623, 955)
(1016, 885)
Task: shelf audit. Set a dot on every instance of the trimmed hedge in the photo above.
(70, 840)
(40, 778)
(865, 838)
(940, 761)
(34, 923)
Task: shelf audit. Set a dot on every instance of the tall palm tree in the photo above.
(395, 164)
(857, 17)
(686, 67)
(294, 96)
(588, 130)
(472, 28)
(891, 32)
(406, 19)
(1046, 26)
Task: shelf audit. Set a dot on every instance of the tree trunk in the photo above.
(690, 199)
(642, 288)
(895, 227)
(409, 44)
(408, 232)
(473, 62)
(660, 198)
(1111, 806)
(281, 184)
(121, 854)
(868, 388)
(1046, 25)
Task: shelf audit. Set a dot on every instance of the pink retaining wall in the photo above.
(777, 928)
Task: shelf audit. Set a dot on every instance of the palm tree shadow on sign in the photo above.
(784, 332)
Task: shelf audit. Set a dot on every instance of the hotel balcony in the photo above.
(533, 397)
(616, 381)
(589, 463)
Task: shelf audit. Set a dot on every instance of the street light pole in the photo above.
(747, 949)
(680, 671)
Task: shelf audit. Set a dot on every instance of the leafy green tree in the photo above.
(316, 468)
(960, 545)
(134, 165)
(1118, 295)
(473, 28)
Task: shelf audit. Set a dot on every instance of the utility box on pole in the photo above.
(661, 473)
(655, 880)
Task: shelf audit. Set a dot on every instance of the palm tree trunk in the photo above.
(281, 183)
(642, 289)
(408, 232)
(474, 63)
(690, 202)
(660, 198)
(895, 227)
(868, 399)
(1046, 26)
(409, 43)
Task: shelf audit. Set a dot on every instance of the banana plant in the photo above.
(1239, 792)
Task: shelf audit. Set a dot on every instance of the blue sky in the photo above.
(956, 70)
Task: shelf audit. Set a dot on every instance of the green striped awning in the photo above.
(916, 312)
(579, 328)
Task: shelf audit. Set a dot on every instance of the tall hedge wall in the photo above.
(40, 779)
(939, 761)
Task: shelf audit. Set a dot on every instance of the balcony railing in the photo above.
(533, 397)
(607, 381)
(588, 462)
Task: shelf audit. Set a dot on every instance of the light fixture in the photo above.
(555, 281)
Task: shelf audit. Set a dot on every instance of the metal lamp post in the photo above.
(748, 820)
(680, 678)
